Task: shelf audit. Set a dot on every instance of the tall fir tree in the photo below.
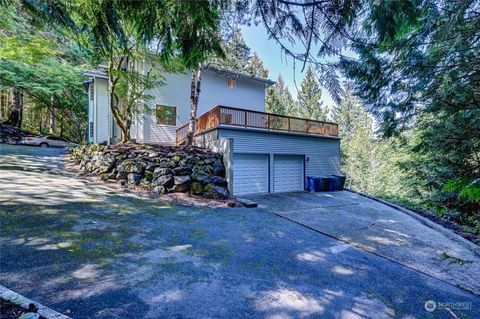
(350, 116)
(256, 67)
(309, 97)
(278, 99)
(372, 165)
(237, 53)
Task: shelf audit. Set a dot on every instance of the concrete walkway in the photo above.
(91, 252)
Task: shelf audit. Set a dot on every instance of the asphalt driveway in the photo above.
(92, 252)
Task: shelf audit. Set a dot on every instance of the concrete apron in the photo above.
(384, 231)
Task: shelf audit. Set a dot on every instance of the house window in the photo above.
(166, 115)
(91, 91)
(232, 83)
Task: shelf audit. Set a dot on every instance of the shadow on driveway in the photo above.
(92, 252)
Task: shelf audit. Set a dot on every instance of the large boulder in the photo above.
(134, 178)
(220, 181)
(197, 188)
(218, 168)
(121, 175)
(161, 171)
(151, 166)
(181, 184)
(159, 190)
(166, 181)
(131, 166)
(215, 192)
(182, 170)
(105, 164)
(164, 162)
(202, 170)
(201, 178)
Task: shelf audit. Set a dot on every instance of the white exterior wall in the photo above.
(91, 114)
(175, 91)
(102, 114)
(248, 94)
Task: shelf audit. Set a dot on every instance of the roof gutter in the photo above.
(87, 83)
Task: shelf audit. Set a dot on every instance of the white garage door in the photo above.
(288, 173)
(250, 173)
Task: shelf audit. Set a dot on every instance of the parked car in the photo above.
(46, 141)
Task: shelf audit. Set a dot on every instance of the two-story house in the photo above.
(263, 153)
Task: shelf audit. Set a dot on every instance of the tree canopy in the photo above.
(309, 97)
(48, 70)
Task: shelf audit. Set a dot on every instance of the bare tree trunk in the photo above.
(115, 105)
(194, 96)
(15, 109)
(51, 118)
(38, 115)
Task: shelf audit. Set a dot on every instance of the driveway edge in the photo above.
(447, 232)
(18, 299)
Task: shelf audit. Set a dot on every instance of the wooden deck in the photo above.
(230, 116)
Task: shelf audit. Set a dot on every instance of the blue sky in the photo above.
(269, 51)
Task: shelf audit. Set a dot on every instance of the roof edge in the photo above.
(96, 74)
(218, 70)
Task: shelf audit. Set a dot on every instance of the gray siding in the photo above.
(322, 155)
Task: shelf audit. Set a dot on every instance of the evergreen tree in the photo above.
(418, 70)
(122, 32)
(256, 67)
(372, 166)
(350, 116)
(237, 53)
(278, 99)
(44, 70)
(309, 97)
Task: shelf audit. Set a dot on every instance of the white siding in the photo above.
(174, 92)
(248, 94)
(322, 155)
(91, 114)
(102, 111)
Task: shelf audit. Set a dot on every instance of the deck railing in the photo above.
(224, 115)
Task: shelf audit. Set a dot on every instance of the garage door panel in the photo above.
(250, 173)
(288, 173)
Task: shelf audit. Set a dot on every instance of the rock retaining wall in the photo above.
(156, 168)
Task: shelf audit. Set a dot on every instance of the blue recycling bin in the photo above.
(336, 182)
(329, 183)
(320, 184)
(310, 183)
(341, 182)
